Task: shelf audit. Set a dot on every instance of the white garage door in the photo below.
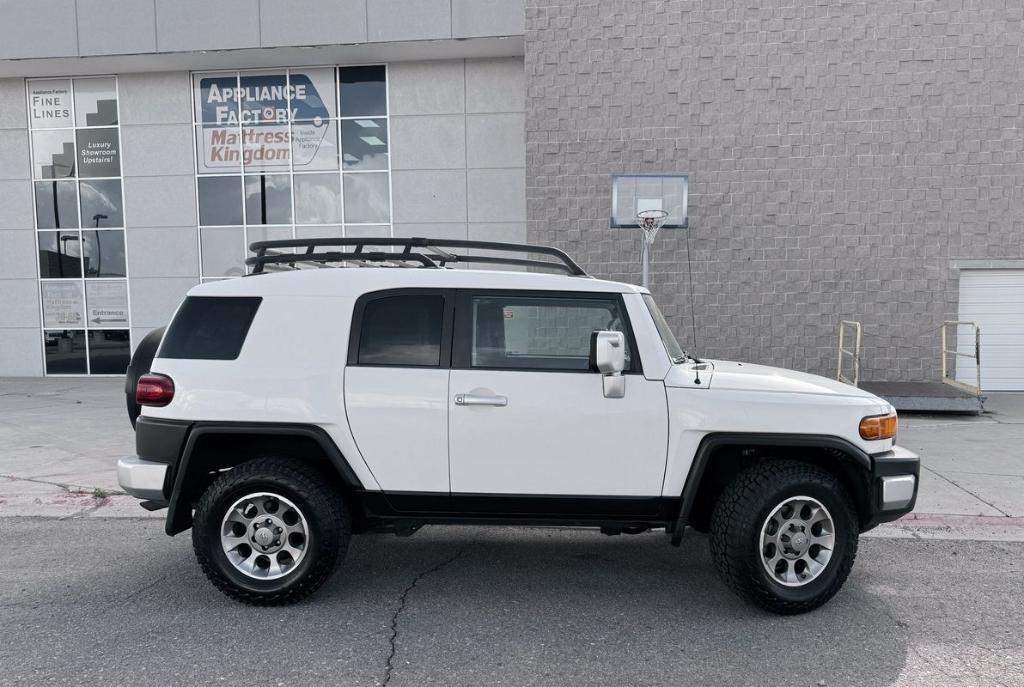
(995, 300)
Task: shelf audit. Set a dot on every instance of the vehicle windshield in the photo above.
(675, 351)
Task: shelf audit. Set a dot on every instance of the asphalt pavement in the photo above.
(93, 592)
(115, 602)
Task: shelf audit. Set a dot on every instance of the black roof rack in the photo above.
(414, 252)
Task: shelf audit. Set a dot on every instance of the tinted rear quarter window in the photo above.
(209, 327)
(402, 331)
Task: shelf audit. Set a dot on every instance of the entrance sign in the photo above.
(108, 303)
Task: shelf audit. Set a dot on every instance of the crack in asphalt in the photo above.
(958, 486)
(65, 487)
(393, 641)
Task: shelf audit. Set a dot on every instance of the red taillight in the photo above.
(154, 390)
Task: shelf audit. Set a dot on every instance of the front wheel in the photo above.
(270, 531)
(784, 536)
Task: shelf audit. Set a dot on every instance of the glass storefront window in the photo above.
(79, 211)
(282, 152)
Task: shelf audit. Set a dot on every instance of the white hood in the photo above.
(733, 376)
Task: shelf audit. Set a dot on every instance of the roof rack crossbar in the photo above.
(431, 253)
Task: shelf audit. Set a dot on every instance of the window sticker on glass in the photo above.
(95, 102)
(49, 103)
(53, 154)
(107, 303)
(99, 153)
(62, 304)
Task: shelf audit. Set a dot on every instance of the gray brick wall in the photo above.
(840, 154)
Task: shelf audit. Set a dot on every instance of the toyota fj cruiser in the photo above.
(284, 412)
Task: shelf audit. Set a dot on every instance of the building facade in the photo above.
(846, 161)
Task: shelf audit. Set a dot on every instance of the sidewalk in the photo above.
(60, 439)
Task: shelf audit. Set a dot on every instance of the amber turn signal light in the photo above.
(878, 427)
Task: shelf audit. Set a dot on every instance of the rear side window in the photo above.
(209, 328)
(402, 331)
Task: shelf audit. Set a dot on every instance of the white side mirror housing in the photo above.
(608, 356)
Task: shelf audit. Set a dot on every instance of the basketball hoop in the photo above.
(649, 221)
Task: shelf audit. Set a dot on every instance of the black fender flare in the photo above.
(179, 512)
(718, 439)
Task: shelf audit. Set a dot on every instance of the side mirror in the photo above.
(608, 356)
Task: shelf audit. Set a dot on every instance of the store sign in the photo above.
(108, 304)
(99, 153)
(62, 304)
(49, 103)
(263, 121)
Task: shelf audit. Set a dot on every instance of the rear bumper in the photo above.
(143, 479)
(895, 476)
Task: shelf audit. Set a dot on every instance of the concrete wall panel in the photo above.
(471, 18)
(21, 353)
(428, 142)
(14, 156)
(154, 300)
(313, 22)
(20, 298)
(108, 27)
(17, 256)
(496, 140)
(495, 85)
(167, 201)
(427, 87)
(157, 98)
(202, 25)
(429, 196)
(408, 20)
(37, 28)
(497, 195)
(157, 150)
(16, 206)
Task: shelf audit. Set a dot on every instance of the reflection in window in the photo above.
(363, 91)
(59, 255)
(56, 205)
(268, 199)
(64, 351)
(315, 146)
(220, 201)
(317, 199)
(366, 198)
(539, 333)
(402, 330)
(53, 154)
(364, 143)
(103, 253)
(101, 203)
(109, 351)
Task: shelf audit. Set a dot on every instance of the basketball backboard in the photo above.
(634, 193)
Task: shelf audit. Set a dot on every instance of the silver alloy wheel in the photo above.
(264, 536)
(797, 540)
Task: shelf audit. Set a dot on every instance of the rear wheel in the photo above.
(270, 532)
(784, 536)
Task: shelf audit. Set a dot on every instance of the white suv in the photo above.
(285, 411)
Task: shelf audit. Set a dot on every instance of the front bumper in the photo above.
(143, 479)
(895, 476)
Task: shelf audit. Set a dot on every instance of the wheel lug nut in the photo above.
(278, 530)
(268, 521)
(277, 542)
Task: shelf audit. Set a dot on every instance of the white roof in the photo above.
(355, 281)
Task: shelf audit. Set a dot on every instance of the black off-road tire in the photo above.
(328, 520)
(736, 523)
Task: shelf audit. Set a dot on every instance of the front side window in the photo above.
(540, 333)
(402, 331)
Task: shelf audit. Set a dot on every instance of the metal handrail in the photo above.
(854, 353)
(946, 351)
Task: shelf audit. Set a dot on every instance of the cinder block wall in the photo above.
(840, 154)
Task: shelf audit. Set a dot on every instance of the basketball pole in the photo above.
(649, 221)
(645, 261)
